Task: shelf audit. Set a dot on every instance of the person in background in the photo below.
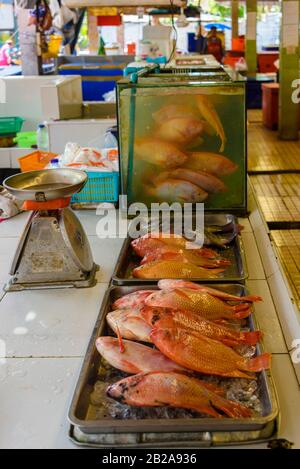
(201, 44)
(6, 53)
(214, 45)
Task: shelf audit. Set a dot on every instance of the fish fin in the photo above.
(209, 410)
(262, 362)
(251, 338)
(243, 314)
(232, 409)
(216, 271)
(252, 298)
(181, 293)
(213, 388)
(120, 340)
(222, 147)
(239, 374)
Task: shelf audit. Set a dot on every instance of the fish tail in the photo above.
(251, 338)
(223, 262)
(232, 409)
(212, 387)
(240, 307)
(243, 314)
(252, 298)
(262, 362)
(216, 271)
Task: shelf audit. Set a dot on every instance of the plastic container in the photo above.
(26, 139)
(100, 187)
(42, 138)
(53, 47)
(10, 125)
(36, 160)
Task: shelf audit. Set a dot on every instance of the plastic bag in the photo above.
(241, 65)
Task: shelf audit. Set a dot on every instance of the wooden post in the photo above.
(289, 70)
(234, 19)
(93, 34)
(250, 45)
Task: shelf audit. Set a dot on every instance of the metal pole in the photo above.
(289, 70)
(250, 51)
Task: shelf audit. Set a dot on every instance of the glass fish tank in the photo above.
(182, 137)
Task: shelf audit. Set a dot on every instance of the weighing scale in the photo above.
(53, 251)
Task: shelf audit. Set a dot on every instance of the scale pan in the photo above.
(47, 184)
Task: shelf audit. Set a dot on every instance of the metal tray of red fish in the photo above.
(236, 272)
(97, 420)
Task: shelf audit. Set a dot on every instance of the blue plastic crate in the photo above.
(100, 187)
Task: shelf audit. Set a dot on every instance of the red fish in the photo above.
(183, 255)
(205, 355)
(164, 318)
(159, 389)
(150, 241)
(174, 269)
(199, 302)
(171, 284)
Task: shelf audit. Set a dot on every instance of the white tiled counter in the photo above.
(46, 334)
(9, 156)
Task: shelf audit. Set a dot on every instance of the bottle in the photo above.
(42, 138)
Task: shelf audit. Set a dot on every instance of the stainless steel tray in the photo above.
(86, 429)
(235, 273)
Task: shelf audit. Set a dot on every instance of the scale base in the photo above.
(89, 281)
(53, 252)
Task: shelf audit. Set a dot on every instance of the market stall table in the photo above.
(46, 333)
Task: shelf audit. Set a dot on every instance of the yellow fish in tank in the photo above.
(176, 190)
(210, 114)
(211, 163)
(159, 152)
(171, 111)
(207, 182)
(180, 130)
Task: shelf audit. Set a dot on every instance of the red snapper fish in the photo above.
(198, 302)
(205, 355)
(157, 389)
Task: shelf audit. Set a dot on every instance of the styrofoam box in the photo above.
(85, 132)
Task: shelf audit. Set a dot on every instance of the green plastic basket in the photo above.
(10, 125)
(26, 139)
